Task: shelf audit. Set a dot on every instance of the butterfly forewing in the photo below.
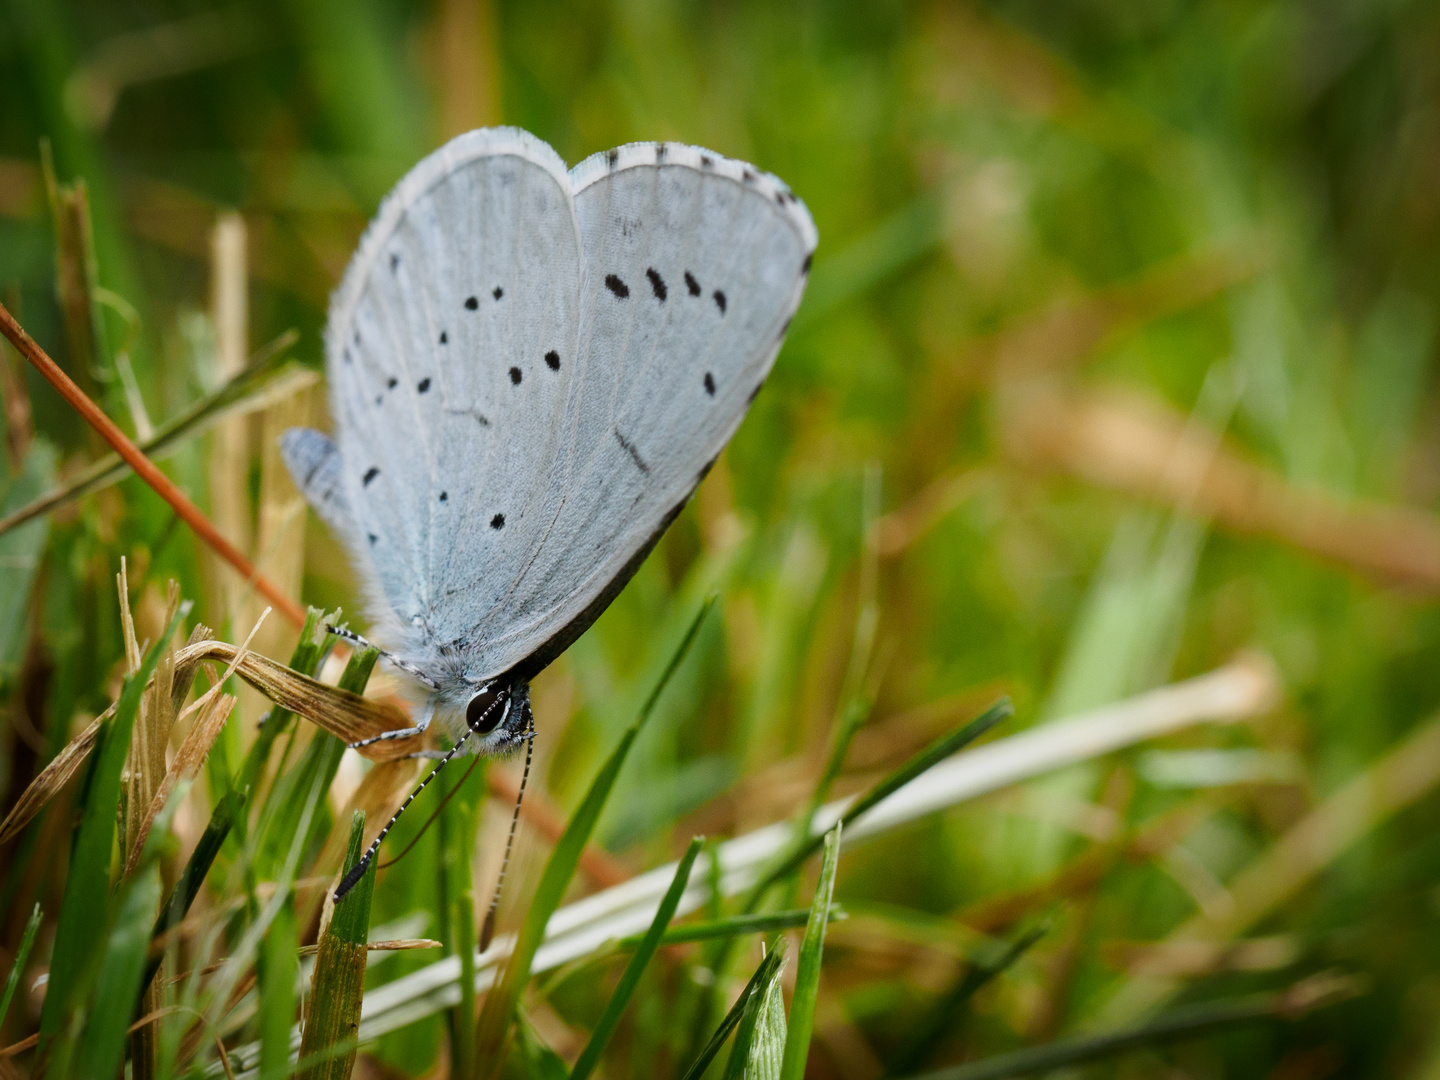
(472, 264)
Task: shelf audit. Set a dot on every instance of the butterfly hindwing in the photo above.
(694, 265)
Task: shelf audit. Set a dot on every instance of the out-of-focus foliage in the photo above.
(1117, 359)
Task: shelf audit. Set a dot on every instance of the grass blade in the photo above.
(763, 974)
(338, 983)
(807, 972)
(733, 927)
(499, 1006)
(84, 908)
(630, 978)
(925, 760)
(277, 967)
(100, 1051)
(18, 968)
(940, 1018)
(757, 1021)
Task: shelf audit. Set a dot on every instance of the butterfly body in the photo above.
(531, 369)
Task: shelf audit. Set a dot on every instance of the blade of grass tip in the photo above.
(630, 978)
(21, 957)
(925, 760)
(807, 971)
(102, 1044)
(733, 927)
(763, 974)
(767, 1044)
(757, 1025)
(499, 1008)
(1178, 1023)
(144, 467)
(337, 985)
(83, 917)
(940, 1019)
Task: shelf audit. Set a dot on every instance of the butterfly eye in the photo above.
(485, 711)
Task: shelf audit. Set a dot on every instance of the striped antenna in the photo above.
(358, 870)
(487, 931)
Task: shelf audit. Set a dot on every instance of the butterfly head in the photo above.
(497, 714)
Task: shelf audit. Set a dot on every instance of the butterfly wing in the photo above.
(694, 265)
(447, 412)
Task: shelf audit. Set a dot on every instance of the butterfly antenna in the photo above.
(358, 870)
(487, 931)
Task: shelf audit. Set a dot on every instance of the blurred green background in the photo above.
(1117, 360)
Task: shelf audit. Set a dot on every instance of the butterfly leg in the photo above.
(348, 635)
(421, 725)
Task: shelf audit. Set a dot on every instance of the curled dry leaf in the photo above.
(345, 715)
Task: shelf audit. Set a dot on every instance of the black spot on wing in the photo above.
(691, 284)
(497, 292)
(660, 151)
(444, 496)
(516, 375)
(805, 267)
(612, 157)
(471, 303)
(444, 338)
(391, 383)
(616, 286)
(629, 448)
(657, 283)
(394, 263)
(552, 360)
(720, 301)
(498, 521)
(423, 385)
(709, 384)
(370, 474)
(706, 161)
(748, 176)
(372, 537)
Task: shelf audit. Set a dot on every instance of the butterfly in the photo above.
(531, 369)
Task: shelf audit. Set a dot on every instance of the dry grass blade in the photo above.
(186, 765)
(51, 779)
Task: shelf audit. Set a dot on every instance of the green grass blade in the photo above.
(763, 974)
(18, 968)
(338, 984)
(941, 1017)
(807, 971)
(630, 978)
(499, 1005)
(925, 760)
(767, 1044)
(187, 885)
(757, 1023)
(277, 967)
(733, 927)
(99, 1050)
(84, 909)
